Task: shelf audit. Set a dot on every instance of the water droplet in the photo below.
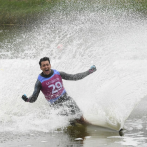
(77, 139)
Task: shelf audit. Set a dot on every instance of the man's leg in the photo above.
(82, 120)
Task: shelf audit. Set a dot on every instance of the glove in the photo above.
(92, 69)
(24, 97)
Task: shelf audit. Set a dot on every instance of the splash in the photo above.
(75, 39)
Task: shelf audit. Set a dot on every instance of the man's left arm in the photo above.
(77, 76)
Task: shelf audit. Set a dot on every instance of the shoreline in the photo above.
(24, 12)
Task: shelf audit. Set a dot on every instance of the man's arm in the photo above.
(77, 76)
(35, 94)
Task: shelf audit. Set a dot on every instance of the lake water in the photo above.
(77, 35)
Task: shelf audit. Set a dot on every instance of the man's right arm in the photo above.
(35, 94)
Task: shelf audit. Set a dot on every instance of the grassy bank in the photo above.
(22, 11)
(136, 5)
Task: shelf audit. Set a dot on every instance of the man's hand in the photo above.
(92, 69)
(24, 97)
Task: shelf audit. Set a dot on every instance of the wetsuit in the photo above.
(57, 95)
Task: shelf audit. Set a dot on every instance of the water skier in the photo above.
(51, 85)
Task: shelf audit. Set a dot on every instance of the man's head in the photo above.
(45, 65)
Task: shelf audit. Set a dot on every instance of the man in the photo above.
(51, 85)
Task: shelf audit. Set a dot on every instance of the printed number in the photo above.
(56, 87)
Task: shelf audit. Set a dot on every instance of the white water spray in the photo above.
(114, 42)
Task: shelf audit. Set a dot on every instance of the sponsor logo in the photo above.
(52, 81)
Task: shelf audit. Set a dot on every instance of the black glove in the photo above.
(92, 69)
(24, 97)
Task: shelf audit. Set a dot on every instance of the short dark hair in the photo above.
(44, 59)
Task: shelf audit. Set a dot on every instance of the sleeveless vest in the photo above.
(52, 87)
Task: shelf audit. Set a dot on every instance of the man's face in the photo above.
(45, 67)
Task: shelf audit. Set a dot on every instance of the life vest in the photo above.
(52, 87)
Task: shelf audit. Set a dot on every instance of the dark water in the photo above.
(85, 136)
